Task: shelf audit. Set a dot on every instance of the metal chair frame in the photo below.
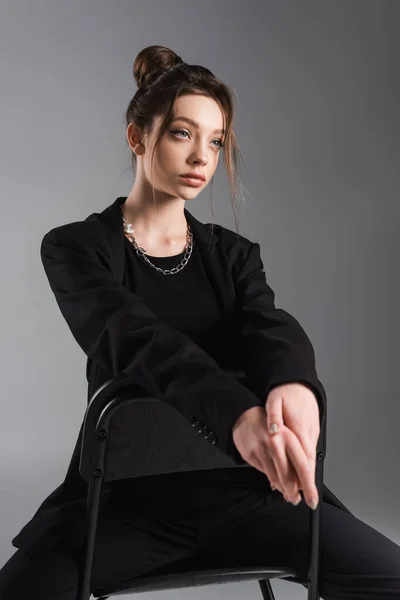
(104, 404)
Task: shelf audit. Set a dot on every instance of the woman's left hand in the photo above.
(294, 408)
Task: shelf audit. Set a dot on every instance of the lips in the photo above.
(194, 176)
(192, 181)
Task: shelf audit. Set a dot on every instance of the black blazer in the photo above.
(84, 263)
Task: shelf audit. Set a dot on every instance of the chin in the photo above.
(189, 193)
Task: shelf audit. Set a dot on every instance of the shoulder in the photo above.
(239, 249)
(89, 232)
(79, 242)
(231, 240)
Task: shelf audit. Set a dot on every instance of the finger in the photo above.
(295, 477)
(291, 492)
(275, 425)
(257, 465)
(304, 466)
(274, 418)
(295, 484)
(268, 468)
(286, 475)
(274, 414)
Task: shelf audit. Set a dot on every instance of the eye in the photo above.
(221, 145)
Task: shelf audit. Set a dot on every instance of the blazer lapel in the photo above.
(214, 257)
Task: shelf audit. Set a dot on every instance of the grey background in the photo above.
(318, 123)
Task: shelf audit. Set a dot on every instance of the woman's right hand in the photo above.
(252, 440)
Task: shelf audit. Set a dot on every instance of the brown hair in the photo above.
(162, 76)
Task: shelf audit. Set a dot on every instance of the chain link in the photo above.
(141, 252)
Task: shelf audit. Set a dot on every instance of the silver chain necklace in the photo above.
(141, 251)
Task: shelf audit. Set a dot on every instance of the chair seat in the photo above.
(193, 572)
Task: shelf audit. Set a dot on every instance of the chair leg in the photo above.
(93, 504)
(266, 589)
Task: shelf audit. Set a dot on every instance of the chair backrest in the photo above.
(146, 436)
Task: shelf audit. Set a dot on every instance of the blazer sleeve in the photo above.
(275, 348)
(117, 330)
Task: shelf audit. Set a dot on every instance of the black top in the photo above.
(185, 301)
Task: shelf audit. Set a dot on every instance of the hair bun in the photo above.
(153, 59)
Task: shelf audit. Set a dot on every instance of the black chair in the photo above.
(125, 434)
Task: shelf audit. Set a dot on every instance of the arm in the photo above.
(116, 329)
(275, 348)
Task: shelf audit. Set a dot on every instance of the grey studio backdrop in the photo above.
(318, 124)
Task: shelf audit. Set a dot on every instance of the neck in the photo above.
(162, 222)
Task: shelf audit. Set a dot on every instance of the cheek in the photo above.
(168, 157)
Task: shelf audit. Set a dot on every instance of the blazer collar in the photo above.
(214, 261)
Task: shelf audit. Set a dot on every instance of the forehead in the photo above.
(204, 110)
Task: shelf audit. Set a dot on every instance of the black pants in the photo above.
(237, 518)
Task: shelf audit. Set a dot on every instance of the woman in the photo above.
(148, 290)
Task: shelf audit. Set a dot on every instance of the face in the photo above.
(185, 147)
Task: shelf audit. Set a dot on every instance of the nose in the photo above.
(199, 159)
(200, 155)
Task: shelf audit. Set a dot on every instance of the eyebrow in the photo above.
(196, 124)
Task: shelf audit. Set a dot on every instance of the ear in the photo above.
(134, 139)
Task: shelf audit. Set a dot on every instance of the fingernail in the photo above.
(313, 503)
(273, 428)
